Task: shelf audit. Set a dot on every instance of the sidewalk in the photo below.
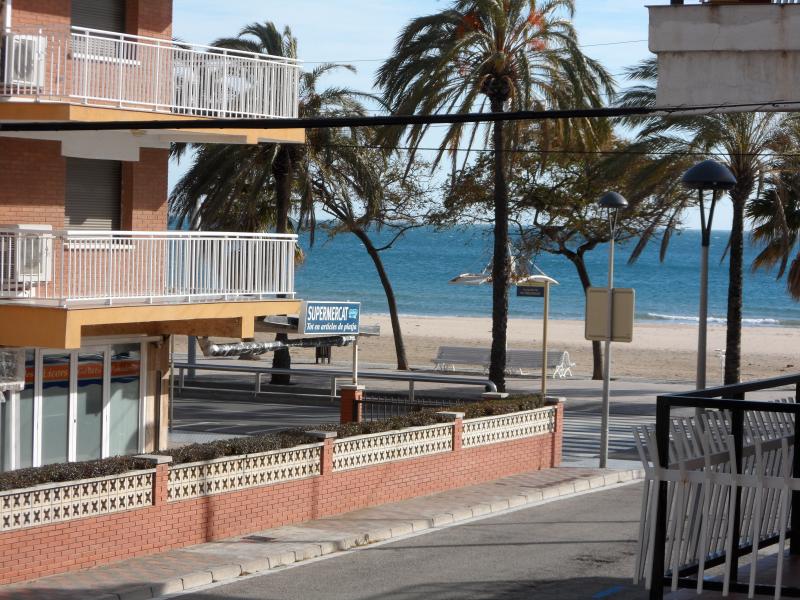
(170, 572)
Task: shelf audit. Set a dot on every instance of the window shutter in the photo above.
(108, 15)
(93, 194)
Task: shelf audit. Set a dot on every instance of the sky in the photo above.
(362, 33)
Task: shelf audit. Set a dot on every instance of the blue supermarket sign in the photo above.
(330, 318)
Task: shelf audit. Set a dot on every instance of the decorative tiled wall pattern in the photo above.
(240, 472)
(490, 430)
(376, 448)
(59, 502)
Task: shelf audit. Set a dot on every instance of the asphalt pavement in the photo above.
(577, 548)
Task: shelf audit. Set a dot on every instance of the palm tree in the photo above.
(746, 143)
(775, 215)
(259, 182)
(509, 55)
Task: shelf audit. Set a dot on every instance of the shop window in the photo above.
(124, 399)
(89, 414)
(55, 408)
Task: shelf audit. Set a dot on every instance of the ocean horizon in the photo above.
(421, 264)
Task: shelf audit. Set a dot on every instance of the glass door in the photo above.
(125, 399)
(56, 374)
(90, 391)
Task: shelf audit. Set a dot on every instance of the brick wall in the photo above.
(41, 12)
(33, 183)
(144, 191)
(88, 542)
(151, 18)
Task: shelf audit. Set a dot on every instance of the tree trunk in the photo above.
(282, 171)
(399, 346)
(586, 283)
(733, 337)
(500, 262)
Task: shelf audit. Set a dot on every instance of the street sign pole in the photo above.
(544, 338)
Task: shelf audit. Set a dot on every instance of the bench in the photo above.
(517, 361)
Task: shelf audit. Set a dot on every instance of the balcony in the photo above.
(106, 69)
(727, 53)
(69, 268)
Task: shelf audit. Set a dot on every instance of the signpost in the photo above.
(538, 286)
(332, 318)
(329, 318)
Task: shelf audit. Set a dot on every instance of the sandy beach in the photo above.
(659, 352)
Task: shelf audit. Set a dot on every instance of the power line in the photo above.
(567, 151)
(392, 120)
(356, 60)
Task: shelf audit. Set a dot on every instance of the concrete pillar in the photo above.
(326, 460)
(458, 426)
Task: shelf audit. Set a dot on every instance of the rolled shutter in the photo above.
(108, 15)
(93, 194)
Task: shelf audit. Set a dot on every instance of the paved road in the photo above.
(581, 548)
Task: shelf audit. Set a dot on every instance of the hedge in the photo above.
(61, 472)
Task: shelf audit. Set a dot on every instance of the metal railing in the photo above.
(376, 407)
(738, 474)
(104, 267)
(128, 71)
(333, 377)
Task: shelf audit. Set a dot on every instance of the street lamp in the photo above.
(612, 202)
(706, 175)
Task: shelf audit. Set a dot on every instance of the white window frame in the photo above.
(72, 423)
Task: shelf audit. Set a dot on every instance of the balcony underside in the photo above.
(124, 145)
(63, 328)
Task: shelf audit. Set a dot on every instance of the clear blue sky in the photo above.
(362, 33)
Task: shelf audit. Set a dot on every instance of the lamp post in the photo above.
(612, 202)
(706, 175)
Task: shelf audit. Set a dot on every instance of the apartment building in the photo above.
(92, 284)
(727, 52)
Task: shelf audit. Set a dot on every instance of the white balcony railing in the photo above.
(106, 267)
(128, 71)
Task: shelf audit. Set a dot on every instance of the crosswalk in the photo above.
(582, 435)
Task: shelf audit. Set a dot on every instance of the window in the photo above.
(93, 194)
(106, 15)
(76, 405)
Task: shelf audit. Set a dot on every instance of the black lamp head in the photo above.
(709, 175)
(613, 201)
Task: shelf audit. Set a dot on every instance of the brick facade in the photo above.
(33, 186)
(32, 182)
(83, 543)
(150, 18)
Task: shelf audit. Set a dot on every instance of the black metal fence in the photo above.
(375, 407)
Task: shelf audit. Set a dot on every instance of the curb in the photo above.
(230, 572)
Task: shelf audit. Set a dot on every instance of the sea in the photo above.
(421, 264)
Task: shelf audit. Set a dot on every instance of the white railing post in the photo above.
(111, 68)
(108, 267)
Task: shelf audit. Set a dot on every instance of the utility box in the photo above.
(597, 314)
